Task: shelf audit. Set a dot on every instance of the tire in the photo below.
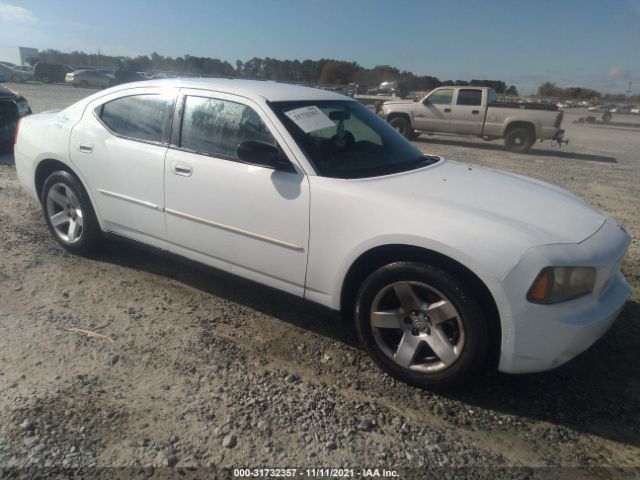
(84, 84)
(606, 117)
(402, 126)
(457, 329)
(519, 140)
(65, 205)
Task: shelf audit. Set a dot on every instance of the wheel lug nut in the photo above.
(415, 332)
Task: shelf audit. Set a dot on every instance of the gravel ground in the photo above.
(199, 372)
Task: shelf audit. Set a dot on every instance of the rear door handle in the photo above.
(85, 147)
(183, 169)
(447, 110)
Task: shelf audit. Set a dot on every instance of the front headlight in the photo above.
(559, 284)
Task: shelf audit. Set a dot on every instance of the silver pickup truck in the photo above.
(475, 111)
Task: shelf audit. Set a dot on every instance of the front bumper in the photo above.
(540, 337)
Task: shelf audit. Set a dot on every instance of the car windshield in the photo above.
(344, 139)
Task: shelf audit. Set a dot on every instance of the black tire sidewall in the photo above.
(474, 354)
(91, 236)
(403, 123)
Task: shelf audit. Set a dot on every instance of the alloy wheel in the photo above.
(417, 326)
(64, 213)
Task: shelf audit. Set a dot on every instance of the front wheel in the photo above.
(69, 215)
(421, 325)
(402, 126)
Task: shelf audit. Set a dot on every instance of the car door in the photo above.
(244, 218)
(467, 115)
(119, 147)
(433, 114)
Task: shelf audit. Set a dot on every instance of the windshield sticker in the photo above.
(310, 118)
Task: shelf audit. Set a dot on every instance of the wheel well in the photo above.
(391, 116)
(377, 257)
(46, 168)
(529, 126)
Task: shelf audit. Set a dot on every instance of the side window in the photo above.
(139, 117)
(469, 97)
(216, 127)
(441, 97)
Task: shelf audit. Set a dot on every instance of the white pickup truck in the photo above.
(475, 111)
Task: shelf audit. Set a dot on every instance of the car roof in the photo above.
(267, 89)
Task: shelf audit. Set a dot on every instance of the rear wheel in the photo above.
(421, 325)
(519, 139)
(606, 117)
(69, 214)
(402, 126)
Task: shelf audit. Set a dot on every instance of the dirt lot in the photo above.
(200, 369)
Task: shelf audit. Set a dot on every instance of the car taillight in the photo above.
(559, 119)
(15, 135)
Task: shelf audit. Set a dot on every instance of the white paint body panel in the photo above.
(301, 232)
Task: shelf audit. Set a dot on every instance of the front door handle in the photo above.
(447, 110)
(183, 169)
(475, 112)
(85, 147)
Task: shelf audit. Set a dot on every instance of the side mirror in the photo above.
(263, 154)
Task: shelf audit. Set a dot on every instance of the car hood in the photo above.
(399, 102)
(541, 211)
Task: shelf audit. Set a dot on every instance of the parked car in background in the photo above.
(13, 106)
(11, 74)
(51, 72)
(605, 107)
(88, 78)
(623, 109)
(474, 111)
(106, 71)
(24, 68)
(446, 268)
(161, 75)
(635, 110)
(126, 76)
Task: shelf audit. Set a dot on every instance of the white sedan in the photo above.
(447, 268)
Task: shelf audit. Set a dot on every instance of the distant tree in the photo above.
(337, 72)
(550, 89)
(512, 90)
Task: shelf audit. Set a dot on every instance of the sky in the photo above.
(590, 43)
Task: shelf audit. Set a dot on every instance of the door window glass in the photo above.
(469, 97)
(441, 97)
(139, 117)
(217, 127)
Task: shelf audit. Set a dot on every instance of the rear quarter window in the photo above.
(137, 117)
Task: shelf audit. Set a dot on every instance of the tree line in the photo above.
(551, 90)
(324, 71)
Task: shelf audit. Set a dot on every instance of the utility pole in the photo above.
(628, 92)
